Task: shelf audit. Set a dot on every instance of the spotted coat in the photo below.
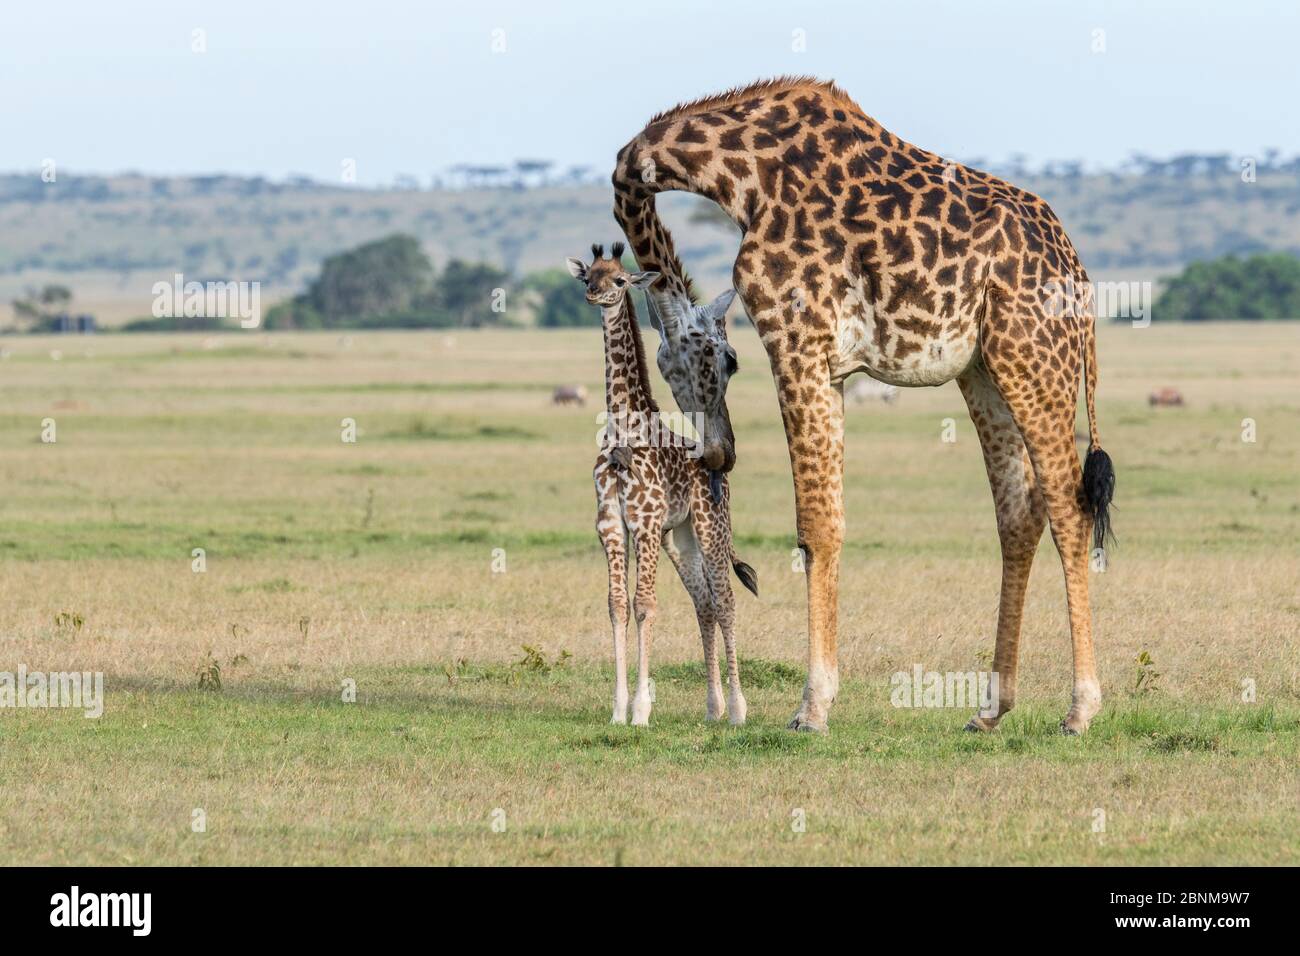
(862, 252)
(653, 491)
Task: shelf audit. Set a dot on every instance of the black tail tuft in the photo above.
(748, 576)
(1098, 490)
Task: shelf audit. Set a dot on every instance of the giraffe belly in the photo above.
(893, 353)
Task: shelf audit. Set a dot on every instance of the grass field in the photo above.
(373, 562)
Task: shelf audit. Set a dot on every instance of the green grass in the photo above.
(457, 531)
(415, 768)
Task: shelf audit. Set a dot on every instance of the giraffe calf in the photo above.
(650, 493)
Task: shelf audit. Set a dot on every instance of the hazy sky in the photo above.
(414, 87)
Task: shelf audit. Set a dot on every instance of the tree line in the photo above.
(1260, 288)
(392, 283)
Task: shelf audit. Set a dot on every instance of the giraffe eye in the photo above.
(733, 365)
(620, 282)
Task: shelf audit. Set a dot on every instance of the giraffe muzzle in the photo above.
(719, 456)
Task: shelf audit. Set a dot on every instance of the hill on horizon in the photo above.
(110, 238)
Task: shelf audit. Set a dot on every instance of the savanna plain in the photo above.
(445, 566)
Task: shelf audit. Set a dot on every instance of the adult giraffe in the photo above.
(864, 253)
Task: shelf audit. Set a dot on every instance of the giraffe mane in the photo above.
(774, 84)
(642, 369)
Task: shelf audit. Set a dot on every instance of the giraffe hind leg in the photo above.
(714, 533)
(690, 568)
(1042, 399)
(1021, 517)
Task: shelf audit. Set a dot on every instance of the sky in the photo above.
(412, 88)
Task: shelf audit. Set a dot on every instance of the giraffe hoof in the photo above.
(978, 725)
(1070, 729)
(804, 724)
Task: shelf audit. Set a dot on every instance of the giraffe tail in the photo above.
(1098, 472)
(748, 576)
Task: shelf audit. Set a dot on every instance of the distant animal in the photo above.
(651, 492)
(1168, 397)
(867, 388)
(569, 395)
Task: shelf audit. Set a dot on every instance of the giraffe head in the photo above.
(694, 356)
(606, 280)
(697, 362)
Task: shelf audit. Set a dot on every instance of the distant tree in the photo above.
(38, 308)
(296, 313)
(384, 277)
(1262, 287)
(577, 175)
(467, 291)
(563, 302)
(486, 176)
(536, 168)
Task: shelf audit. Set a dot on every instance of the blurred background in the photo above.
(444, 151)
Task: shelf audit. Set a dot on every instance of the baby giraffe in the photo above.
(651, 491)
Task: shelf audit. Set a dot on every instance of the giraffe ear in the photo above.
(717, 309)
(643, 280)
(577, 268)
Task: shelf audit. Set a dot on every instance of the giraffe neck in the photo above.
(746, 151)
(627, 376)
(652, 245)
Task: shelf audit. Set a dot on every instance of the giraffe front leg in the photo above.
(644, 607)
(814, 419)
(618, 615)
(820, 537)
(812, 411)
(613, 538)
